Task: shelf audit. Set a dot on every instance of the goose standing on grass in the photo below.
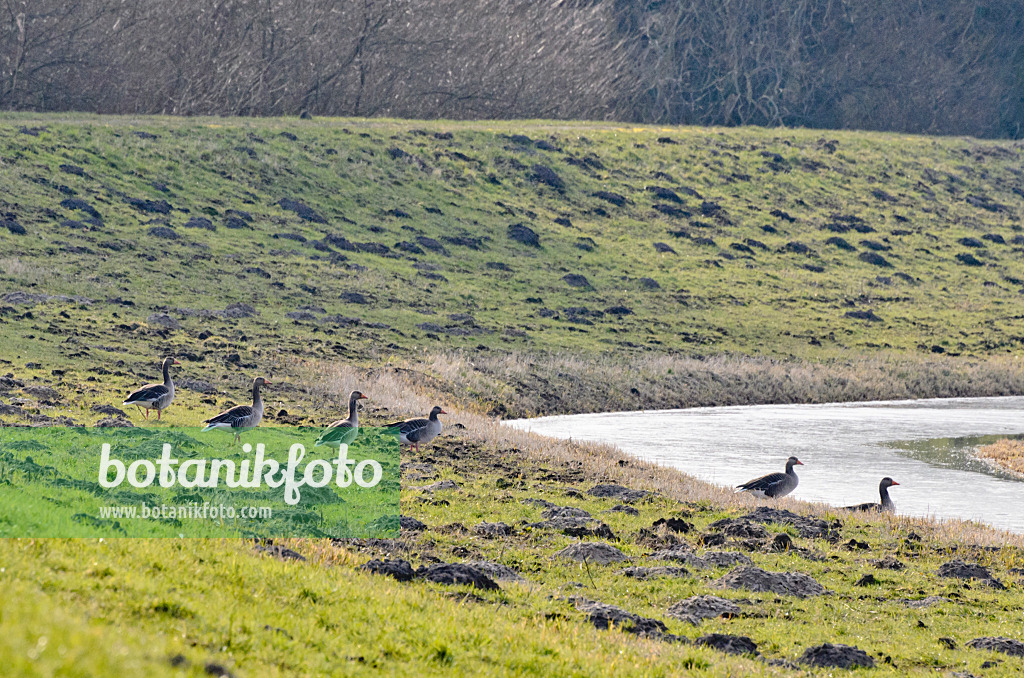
(343, 431)
(155, 396)
(883, 491)
(416, 431)
(774, 485)
(241, 417)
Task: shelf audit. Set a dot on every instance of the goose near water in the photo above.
(241, 417)
(155, 396)
(774, 485)
(883, 491)
(343, 431)
(416, 431)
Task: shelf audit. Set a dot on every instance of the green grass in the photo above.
(118, 606)
(216, 601)
(712, 299)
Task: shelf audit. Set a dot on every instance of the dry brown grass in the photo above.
(520, 385)
(399, 392)
(1007, 454)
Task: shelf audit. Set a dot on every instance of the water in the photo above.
(925, 445)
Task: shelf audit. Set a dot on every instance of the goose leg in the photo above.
(158, 414)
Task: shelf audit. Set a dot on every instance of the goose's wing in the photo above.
(411, 429)
(341, 431)
(149, 393)
(235, 417)
(868, 506)
(766, 483)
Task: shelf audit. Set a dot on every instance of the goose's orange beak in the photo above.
(175, 362)
(362, 397)
(895, 483)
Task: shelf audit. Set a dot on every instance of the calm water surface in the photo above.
(925, 445)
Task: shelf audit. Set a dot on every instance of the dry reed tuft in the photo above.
(404, 392)
(1007, 454)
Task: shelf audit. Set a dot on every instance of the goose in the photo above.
(343, 431)
(883, 491)
(155, 396)
(774, 485)
(241, 417)
(416, 431)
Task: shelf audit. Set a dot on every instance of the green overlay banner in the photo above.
(185, 482)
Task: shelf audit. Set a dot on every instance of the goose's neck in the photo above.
(789, 469)
(257, 399)
(167, 374)
(353, 411)
(433, 416)
(884, 492)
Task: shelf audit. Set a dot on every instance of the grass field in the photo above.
(399, 258)
(237, 243)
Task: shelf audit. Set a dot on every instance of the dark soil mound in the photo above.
(431, 244)
(623, 494)
(958, 569)
(740, 528)
(399, 569)
(665, 194)
(546, 175)
(149, 206)
(410, 524)
(874, 259)
(863, 315)
(492, 530)
(730, 644)
(353, 298)
(496, 571)
(200, 222)
(564, 512)
(841, 244)
(164, 232)
(457, 573)
(576, 280)
(593, 552)
(524, 234)
(304, 211)
(674, 524)
(576, 527)
(698, 608)
(238, 310)
(808, 528)
(1008, 646)
(968, 259)
(758, 580)
(841, 656)
(614, 198)
(602, 616)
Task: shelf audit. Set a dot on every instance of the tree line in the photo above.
(939, 67)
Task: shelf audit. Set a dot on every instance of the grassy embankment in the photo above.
(843, 266)
(89, 607)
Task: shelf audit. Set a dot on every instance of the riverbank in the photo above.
(1006, 454)
(568, 558)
